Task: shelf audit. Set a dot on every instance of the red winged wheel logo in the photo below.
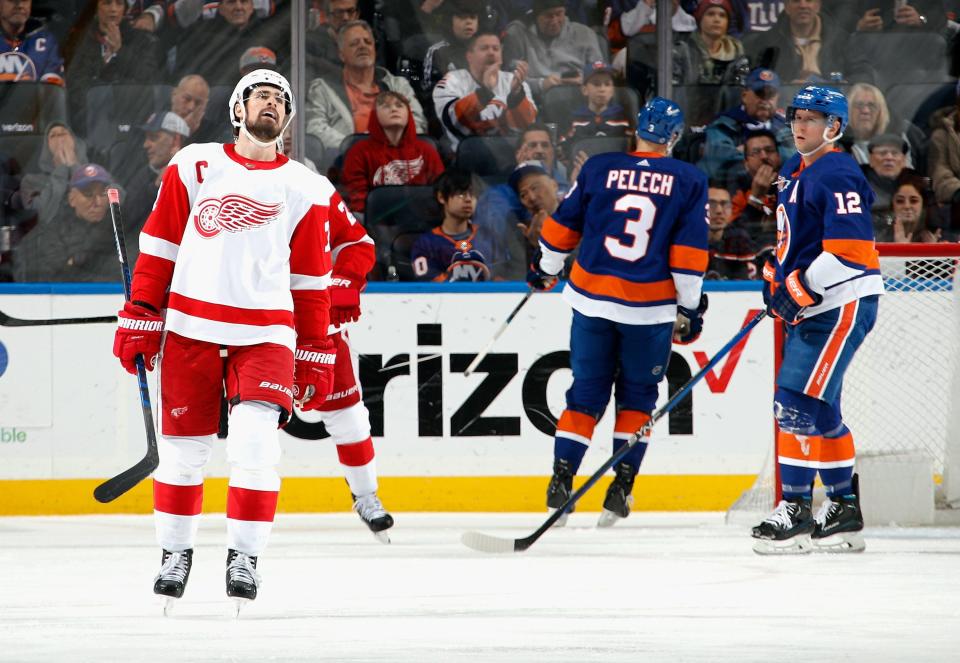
(233, 213)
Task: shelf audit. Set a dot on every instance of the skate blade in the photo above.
(168, 604)
(562, 520)
(608, 518)
(844, 542)
(382, 536)
(238, 604)
(798, 545)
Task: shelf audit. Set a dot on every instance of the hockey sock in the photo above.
(798, 457)
(176, 511)
(359, 466)
(628, 422)
(574, 431)
(837, 457)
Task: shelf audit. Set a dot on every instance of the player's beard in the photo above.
(265, 129)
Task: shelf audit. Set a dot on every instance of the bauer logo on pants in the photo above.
(233, 213)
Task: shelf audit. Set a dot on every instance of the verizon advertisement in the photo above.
(67, 410)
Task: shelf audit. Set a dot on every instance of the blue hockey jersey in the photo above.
(824, 229)
(437, 256)
(33, 55)
(640, 220)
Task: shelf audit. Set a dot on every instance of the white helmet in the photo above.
(242, 90)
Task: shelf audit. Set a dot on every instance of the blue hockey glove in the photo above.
(537, 278)
(789, 301)
(689, 322)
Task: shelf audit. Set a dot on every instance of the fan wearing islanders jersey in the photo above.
(232, 286)
(825, 285)
(641, 224)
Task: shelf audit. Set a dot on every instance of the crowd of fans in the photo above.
(487, 107)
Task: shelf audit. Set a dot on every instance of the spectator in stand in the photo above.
(212, 48)
(913, 217)
(554, 48)
(391, 156)
(732, 254)
(45, 191)
(340, 105)
(447, 253)
(76, 243)
(189, 100)
(803, 47)
(104, 49)
(600, 115)
(756, 15)
(889, 15)
(450, 53)
(757, 110)
(870, 117)
(539, 194)
(711, 56)
(755, 199)
(322, 42)
(146, 15)
(944, 159)
(28, 51)
(888, 158)
(482, 99)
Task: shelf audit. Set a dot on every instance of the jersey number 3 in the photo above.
(637, 227)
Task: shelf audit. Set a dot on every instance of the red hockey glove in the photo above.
(138, 333)
(313, 374)
(789, 302)
(344, 302)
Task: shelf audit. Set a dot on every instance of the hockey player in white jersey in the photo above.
(232, 286)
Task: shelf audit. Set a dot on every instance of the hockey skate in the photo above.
(838, 525)
(172, 578)
(242, 578)
(372, 513)
(617, 503)
(560, 489)
(787, 530)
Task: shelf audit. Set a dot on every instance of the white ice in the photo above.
(658, 587)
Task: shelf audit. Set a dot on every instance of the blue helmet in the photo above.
(660, 121)
(823, 99)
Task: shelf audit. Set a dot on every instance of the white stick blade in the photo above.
(486, 543)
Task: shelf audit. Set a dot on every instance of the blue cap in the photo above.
(761, 78)
(598, 67)
(524, 169)
(88, 174)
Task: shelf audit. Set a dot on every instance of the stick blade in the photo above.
(488, 544)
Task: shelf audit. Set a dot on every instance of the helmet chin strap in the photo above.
(825, 143)
(276, 143)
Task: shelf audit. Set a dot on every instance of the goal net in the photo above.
(901, 394)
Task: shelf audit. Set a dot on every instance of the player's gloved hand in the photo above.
(313, 374)
(139, 330)
(789, 301)
(689, 322)
(537, 278)
(344, 301)
(769, 284)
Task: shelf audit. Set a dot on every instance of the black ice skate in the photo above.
(839, 524)
(617, 503)
(787, 530)
(172, 578)
(242, 578)
(372, 513)
(560, 489)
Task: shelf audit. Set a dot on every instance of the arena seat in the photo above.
(393, 212)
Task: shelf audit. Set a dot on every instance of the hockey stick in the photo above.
(10, 321)
(113, 488)
(506, 323)
(495, 544)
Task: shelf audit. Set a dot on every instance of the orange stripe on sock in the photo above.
(630, 421)
(577, 423)
(837, 449)
(805, 447)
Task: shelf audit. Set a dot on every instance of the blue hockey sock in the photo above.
(569, 450)
(635, 456)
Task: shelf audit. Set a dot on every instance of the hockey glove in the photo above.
(769, 284)
(789, 302)
(139, 330)
(313, 374)
(689, 322)
(344, 302)
(537, 278)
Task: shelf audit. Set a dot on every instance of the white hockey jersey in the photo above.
(238, 250)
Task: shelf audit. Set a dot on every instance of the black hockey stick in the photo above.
(495, 544)
(10, 321)
(503, 327)
(113, 488)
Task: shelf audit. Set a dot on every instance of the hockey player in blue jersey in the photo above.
(825, 285)
(640, 222)
(28, 51)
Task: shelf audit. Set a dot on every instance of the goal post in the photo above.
(901, 394)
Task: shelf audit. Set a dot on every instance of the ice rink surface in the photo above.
(658, 587)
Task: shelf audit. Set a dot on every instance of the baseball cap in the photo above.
(166, 121)
(888, 139)
(598, 67)
(760, 78)
(524, 169)
(257, 57)
(543, 5)
(88, 174)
